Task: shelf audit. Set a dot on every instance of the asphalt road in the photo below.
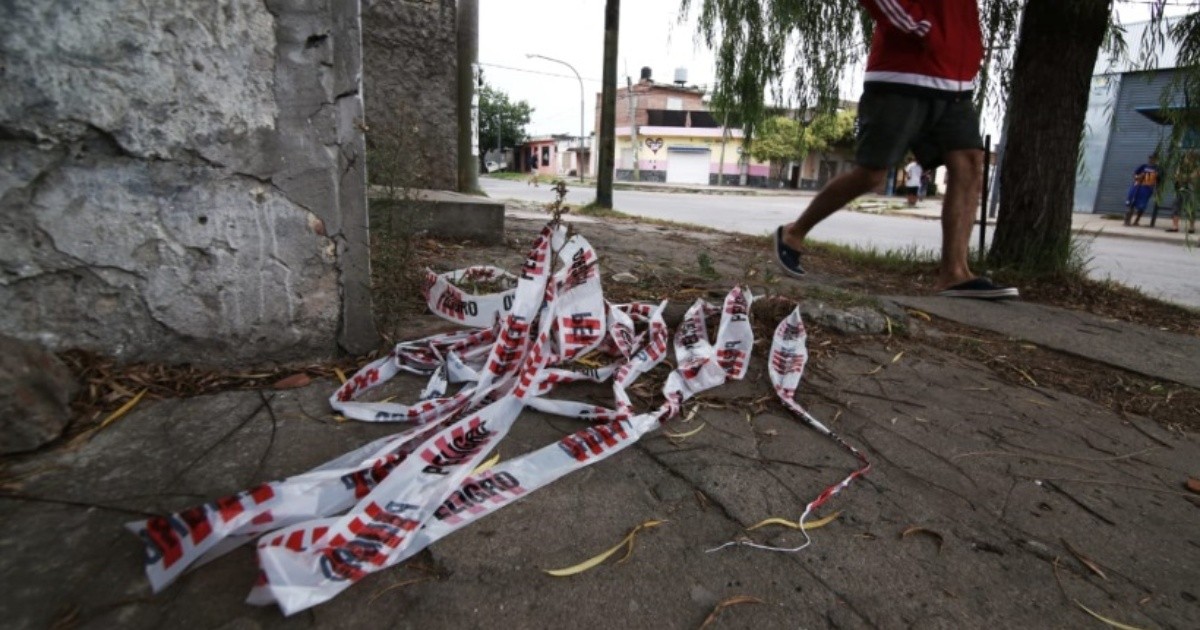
(1164, 270)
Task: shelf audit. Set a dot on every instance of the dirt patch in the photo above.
(669, 263)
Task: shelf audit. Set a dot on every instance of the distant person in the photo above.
(926, 183)
(917, 91)
(1145, 179)
(1187, 176)
(912, 180)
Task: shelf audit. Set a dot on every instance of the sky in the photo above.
(572, 31)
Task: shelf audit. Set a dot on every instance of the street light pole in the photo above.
(579, 155)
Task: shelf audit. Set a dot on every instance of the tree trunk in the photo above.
(608, 105)
(1056, 54)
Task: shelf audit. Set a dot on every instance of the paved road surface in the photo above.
(1165, 270)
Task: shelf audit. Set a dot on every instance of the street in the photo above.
(1164, 270)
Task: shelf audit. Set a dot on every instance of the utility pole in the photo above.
(608, 106)
(637, 173)
(468, 96)
(724, 141)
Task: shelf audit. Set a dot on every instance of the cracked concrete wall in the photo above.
(184, 180)
(410, 51)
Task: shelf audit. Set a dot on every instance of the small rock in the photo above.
(35, 395)
(856, 320)
(624, 278)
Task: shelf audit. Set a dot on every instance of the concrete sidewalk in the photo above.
(986, 496)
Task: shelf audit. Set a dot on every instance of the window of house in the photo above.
(703, 119)
(546, 155)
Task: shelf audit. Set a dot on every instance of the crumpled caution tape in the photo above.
(403, 492)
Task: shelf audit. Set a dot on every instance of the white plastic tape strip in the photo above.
(447, 300)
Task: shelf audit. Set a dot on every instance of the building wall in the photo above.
(654, 146)
(184, 184)
(1132, 138)
(410, 82)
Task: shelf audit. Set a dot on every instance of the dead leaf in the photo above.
(596, 560)
(680, 436)
(921, 314)
(492, 461)
(1193, 485)
(821, 522)
(914, 530)
(897, 357)
(112, 417)
(292, 382)
(1098, 616)
(1086, 561)
(726, 603)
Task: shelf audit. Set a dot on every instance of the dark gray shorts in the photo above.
(890, 125)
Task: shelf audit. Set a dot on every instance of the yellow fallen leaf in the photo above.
(921, 314)
(821, 522)
(596, 560)
(492, 461)
(877, 369)
(341, 375)
(1098, 616)
(124, 409)
(897, 357)
(680, 436)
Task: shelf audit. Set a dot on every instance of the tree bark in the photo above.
(608, 105)
(1055, 58)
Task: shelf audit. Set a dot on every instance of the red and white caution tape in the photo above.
(403, 492)
(789, 355)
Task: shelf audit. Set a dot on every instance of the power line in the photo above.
(547, 74)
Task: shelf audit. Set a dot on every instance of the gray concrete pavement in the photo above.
(1001, 480)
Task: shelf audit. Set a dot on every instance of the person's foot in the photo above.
(787, 257)
(1172, 229)
(980, 288)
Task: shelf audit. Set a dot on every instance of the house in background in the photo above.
(1122, 127)
(665, 132)
(559, 155)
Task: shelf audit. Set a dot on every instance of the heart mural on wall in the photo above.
(654, 144)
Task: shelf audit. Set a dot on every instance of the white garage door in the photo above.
(687, 166)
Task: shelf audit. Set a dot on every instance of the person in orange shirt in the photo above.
(1145, 180)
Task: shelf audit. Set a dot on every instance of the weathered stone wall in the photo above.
(184, 180)
(409, 80)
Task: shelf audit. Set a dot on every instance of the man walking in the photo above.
(925, 55)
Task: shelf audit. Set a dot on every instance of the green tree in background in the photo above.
(501, 121)
(783, 139)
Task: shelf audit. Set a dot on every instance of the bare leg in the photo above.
(840, 191)
(958, 214)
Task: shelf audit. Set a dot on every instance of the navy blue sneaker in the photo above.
(787, 257)
(981, 288)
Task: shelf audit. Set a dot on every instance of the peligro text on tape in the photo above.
(322, 531)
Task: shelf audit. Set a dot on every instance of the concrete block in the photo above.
(450, 215)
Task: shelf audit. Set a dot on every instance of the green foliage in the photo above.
(757, 42)
(705, 263)
(784, 139)
(501, 121)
